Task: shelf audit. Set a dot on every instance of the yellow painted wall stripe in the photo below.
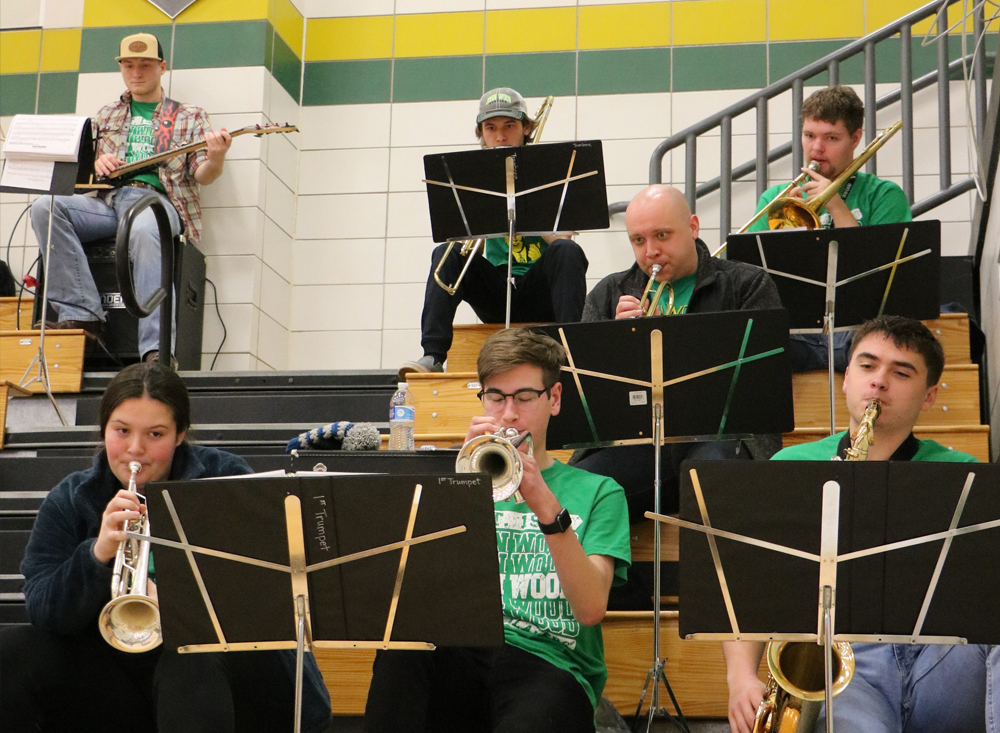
(288, 23)
(526, 31)
(625, 26)
(61, 49)
(720, 21)
(108, 13)
(439, 34)
(19, 51)
(215, 11)
(788, 24)
(346, 39)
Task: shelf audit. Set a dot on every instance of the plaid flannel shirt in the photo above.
(176, 174)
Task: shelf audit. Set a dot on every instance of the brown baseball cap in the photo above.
(140, 46)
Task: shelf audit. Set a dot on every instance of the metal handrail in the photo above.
(831, 63)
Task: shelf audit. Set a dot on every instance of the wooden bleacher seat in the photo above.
(63, 352)
(10, 318)
(957, 400)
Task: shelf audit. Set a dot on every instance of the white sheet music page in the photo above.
(45, 137)
(35, 175)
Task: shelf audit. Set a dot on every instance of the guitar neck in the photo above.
(167, 155)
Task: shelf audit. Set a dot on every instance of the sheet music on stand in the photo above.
(47, 154)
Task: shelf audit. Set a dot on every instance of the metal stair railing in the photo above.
(723, 120)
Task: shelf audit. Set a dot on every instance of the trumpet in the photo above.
(795, 688)
(654, 298)
(496, 454)
(470, 247)
(130, 622)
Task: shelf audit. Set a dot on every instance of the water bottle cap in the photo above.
(401, 385)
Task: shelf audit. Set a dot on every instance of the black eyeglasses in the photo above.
(495, 399)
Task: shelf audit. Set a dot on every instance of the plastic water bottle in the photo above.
(401, 419)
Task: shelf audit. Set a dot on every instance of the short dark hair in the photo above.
(835, 104)
(159, 382)
(905, 333)
(527, 122)
(513, 347)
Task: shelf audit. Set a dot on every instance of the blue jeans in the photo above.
(79, 219)
(900, 688)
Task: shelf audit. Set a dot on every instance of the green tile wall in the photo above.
(347, 82)
(286, 67)
(218, 45)
(625, 71)
(737, 66)
(57, 93)
(437, 79)
(99, 46)
(787, 58)
(533, 74)
(17, 94)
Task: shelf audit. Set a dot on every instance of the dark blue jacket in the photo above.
(65, 586)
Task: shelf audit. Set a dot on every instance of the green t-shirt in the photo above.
(825, 449)
(527, 250)
(140, 142)
(537, 616)
(683, 289)
(871, 200)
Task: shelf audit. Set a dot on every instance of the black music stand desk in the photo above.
(881, 551)
(326, 562)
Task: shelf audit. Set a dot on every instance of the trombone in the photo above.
(791, 212)
(470, 247)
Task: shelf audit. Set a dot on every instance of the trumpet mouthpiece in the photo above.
(134, 466)
(654, 270)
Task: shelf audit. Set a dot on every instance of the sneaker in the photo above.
(423, 365)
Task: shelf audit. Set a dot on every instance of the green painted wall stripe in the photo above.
(438, 79)
(286, 67)
(625, 72)
(99, 46)
(533, 74)
(269, 47)
(17, 94)
(57, 93)
(218, 45)
(786, 58)
(737, 66)
(347, 82)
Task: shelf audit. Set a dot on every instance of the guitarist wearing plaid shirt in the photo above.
(141, 123)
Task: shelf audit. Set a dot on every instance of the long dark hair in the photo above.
(159, 382)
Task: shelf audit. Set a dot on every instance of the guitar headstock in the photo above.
(261, 130)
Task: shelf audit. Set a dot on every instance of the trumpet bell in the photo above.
(497, 457)
(131, 623)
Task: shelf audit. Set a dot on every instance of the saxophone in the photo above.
(795, 689)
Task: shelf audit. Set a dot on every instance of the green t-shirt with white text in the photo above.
(140, 142)
(537, 617)
(683, 290)
(825, 449)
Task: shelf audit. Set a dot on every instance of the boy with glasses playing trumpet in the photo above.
(549, 272)
(560, 552)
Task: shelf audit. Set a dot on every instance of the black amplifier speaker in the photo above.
(121, 328)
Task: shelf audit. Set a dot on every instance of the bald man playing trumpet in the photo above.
(664, 232)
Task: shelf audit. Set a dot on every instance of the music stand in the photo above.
(535, 189)
(309, 569)
(704, 376)
(64, 177)
(855, 552)
(835, 279)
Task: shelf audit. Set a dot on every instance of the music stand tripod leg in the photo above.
(43, 365)
(511, 218)
(831, 307)
(656, 673)
(300, 656)
(828, 655)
